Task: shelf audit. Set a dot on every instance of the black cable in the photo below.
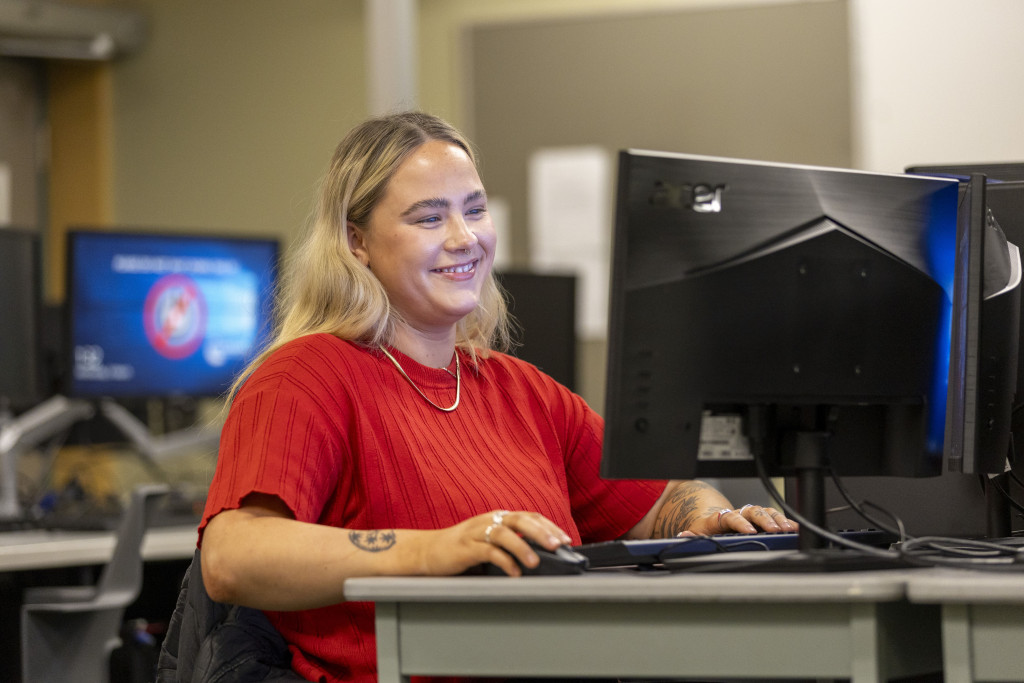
(913, 556)
(1005, 493)
(821, 532)
(899, 530)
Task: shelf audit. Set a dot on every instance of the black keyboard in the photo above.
(18, 524)
(641, 552)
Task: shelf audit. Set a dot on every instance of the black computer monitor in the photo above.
(159, 315)
(986, 327)
(994, 171)
(1004, 198)
(1006, 201)
(544, 308)
(19, 315)
(811, 306)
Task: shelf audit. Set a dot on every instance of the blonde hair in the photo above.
(326, 288)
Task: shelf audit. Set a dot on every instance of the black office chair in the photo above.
(68, 632)
(209, 641)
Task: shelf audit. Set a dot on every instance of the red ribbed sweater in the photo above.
(337, 433)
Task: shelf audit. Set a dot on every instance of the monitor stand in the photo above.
(999, 518)
(804, 450)
(58, 413)
(809, 456)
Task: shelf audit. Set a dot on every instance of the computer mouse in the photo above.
(560, 561)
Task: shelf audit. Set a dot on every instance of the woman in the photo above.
(380, 433)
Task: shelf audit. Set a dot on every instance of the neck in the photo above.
(434, 350)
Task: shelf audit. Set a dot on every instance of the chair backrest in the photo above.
(124, 572)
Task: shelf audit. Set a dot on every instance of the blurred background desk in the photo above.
(851, 625)
(41, 549)
(41, 557)
(982, 621)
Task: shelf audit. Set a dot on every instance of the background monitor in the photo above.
(1006, 201)
(165, 315)
(1004, 197)
(19, 311)
(807, 307)
(544, 306)
(986, 324)
(996, 171)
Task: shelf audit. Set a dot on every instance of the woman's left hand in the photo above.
(693, 507)
(748, 519)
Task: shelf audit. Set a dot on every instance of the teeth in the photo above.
(457, 269)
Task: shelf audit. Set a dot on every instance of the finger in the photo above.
(771, 519)
(505, 561)
(785, 523)
(538, 528)
(767, 518)
(732, 520)
(502, 546)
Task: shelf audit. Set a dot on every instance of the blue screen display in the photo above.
(155, 315)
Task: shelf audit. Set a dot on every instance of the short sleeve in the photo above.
(278, 439)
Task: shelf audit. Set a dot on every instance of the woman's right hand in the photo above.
(495, 537)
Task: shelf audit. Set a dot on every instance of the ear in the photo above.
(357, 244)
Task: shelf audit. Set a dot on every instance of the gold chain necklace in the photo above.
(458, 380)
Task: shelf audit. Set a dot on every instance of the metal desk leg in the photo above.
(957, 657)
(389, 668)
(866, 665)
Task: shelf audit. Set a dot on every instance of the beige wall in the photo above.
(443, 26)
(228, 115)
(230, 112)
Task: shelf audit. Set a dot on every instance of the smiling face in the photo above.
(430, 240)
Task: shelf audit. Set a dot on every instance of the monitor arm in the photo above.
(58, 413)
(155, 448)
(29, 429)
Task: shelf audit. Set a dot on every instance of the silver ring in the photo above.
(499, 517)
(748, 505)
(721, 512)
(487, 533)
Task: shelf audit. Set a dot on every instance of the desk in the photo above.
(982, 621)
(852, 625)
(41, 549)
(25, 554)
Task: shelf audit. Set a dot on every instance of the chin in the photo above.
(460, 311)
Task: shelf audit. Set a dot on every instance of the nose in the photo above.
(460, 237)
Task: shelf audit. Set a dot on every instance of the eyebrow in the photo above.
(442, 203)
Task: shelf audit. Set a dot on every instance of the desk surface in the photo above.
(40, 549)
(616, 586)
(947, 586)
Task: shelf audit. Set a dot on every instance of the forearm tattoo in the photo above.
(681, 509)
(373, 541)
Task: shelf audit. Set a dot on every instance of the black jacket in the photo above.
(212, 642)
